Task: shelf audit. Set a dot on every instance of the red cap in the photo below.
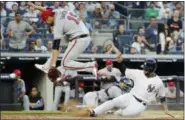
(17, 72)
(109, 62)
(171, 84)
(81, 84)
(46, 13)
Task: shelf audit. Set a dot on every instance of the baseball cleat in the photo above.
(91, 113)
(42, 68)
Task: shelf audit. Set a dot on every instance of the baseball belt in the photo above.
(139, 100)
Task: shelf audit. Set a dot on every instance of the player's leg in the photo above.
(120, 102)
(46, 66)
(131, 109)
(26, 103)
(66, 89)
(58, 92)
(75, 48)
(90, 99)
(115, 91)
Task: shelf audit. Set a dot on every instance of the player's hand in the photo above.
(167, 113)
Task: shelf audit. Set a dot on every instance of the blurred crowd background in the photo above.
(130, 27)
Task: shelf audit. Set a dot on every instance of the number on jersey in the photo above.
(73, 17)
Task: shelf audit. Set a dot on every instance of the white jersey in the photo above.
(115, 72)
(151, 87)
(67, 24)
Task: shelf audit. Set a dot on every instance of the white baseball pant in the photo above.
(58, 93)
(91, 99)
(128, 105)
(74, 49)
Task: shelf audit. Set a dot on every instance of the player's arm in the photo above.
(162, 95)
(58, 35)
(55, 52)
(36, 6)
(121, 65)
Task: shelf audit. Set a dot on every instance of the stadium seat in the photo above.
(49, 36)
(35, 36)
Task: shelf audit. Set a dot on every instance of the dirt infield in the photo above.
(41, 115)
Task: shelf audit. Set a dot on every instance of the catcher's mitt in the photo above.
(53, 74)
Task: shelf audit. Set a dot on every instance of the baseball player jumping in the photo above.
(70, 27)
(147, 85)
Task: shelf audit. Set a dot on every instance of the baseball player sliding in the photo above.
(70, 27)
(147, 85)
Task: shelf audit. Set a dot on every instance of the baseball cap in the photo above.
(171, 84)
(46, 13)
(109, 62)
(111, 6)
(81, 84)
(17, 72)
(98, 5)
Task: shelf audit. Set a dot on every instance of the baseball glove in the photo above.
(53, 74)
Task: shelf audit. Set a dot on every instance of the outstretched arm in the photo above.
(165, 107)
(36, 6)
(121, 66)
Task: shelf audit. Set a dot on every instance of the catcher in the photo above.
(92, 99)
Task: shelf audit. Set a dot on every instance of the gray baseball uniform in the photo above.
(62, 87)
(68, 25)
(93, 98)
(19, 87)
(115, 72)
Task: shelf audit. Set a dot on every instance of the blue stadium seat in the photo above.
(35, 36)
(49, 36)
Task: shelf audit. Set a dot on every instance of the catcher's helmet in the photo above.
(150, 64)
